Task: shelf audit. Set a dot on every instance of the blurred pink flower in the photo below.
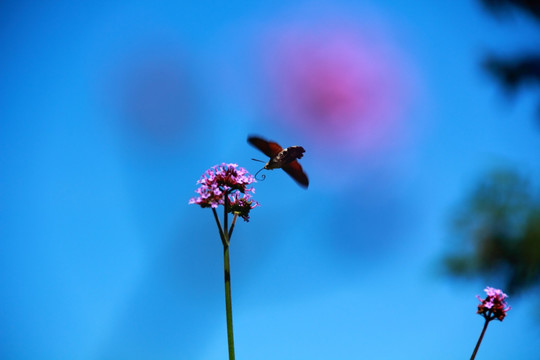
(340, 82)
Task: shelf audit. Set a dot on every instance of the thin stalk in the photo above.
(221, 234)
(232, 225)
(228, 303)
(225, 235)
(226, 218)
(480, 340)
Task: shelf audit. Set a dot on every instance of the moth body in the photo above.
(280, 158)
(285, 157)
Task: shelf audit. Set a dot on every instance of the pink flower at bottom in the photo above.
(494, 306)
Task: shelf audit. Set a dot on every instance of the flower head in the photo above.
(226, 180)
(241, 205)
(494, 305)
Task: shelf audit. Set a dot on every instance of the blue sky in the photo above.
(101, 256)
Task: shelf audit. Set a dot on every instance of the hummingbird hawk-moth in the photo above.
(282, 158)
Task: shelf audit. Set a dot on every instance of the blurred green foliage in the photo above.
(532, 7)
(497, 227)
(497, 232)
(516, 71)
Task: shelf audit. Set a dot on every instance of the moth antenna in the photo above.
(258, 160)
(262, 176)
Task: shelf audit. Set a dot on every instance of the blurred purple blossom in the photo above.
(150, 87)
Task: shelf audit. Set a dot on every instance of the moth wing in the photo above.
(268, 148)
(294, 169)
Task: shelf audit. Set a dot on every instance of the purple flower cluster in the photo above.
(494, 305)
(226, 180)
(242, 205)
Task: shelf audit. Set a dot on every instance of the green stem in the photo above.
(221, 234)
(228, 303)
(480, 339)
(225, 235)
(232, 225)
(225, 218)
